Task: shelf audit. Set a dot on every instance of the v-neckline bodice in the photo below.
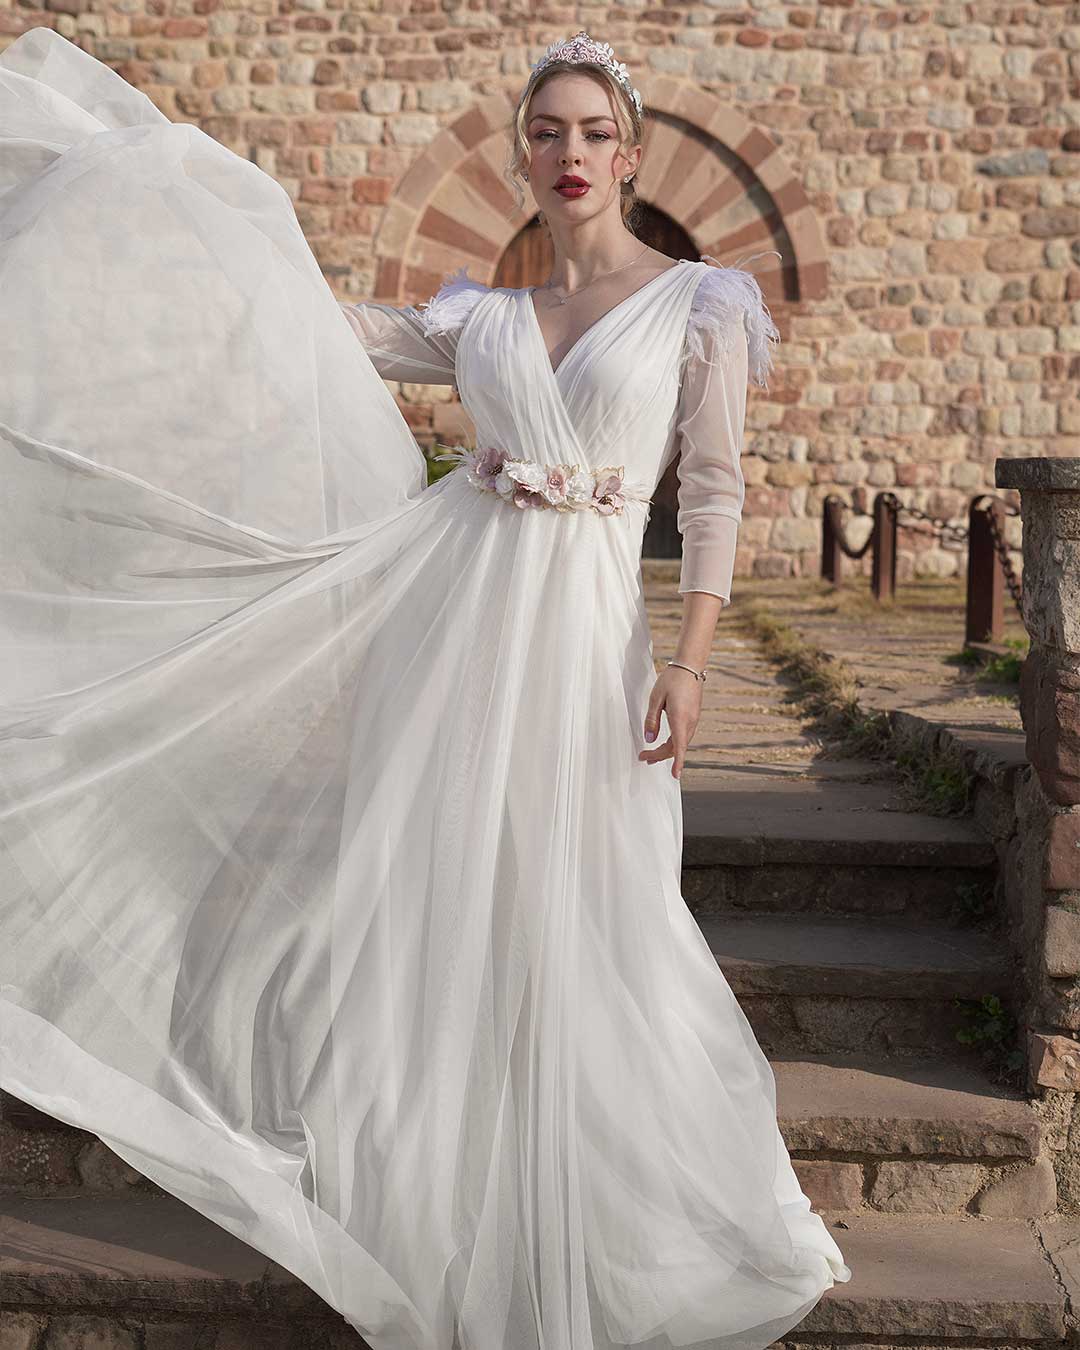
(527, 297)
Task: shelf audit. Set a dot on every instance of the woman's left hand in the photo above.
(678, 693)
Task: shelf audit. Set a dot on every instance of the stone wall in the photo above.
(1050, 707)
(1043, 867)
(918, 167)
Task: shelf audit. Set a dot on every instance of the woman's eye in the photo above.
(544, 135)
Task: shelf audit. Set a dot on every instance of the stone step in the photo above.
(819, 821)
(967, 1281)
(148, 1271)
(43, 1156)
(828, 845)
(817, 984)
(864, 1131)
(153, 1272)
(949, 896)
(926, 1136)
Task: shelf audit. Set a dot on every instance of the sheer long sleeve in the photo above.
(398, 344)
(730, 338)
(417, 343)
(712, 409)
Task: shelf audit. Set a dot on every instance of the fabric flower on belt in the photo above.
(528, 483)
(608, 494)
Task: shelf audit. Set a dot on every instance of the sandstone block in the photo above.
(924, 1187)
(1027, 1192)
(1053, 1062)
(1061, 942)
(829, 1184)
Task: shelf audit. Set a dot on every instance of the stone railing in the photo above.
(1050, 707)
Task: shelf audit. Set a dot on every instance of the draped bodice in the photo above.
(612, 398)
(660, 377)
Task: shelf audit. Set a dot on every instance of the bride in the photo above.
(340, 815)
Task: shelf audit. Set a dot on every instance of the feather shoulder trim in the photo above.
(451, 304)
(722, 295)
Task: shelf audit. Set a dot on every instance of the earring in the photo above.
(525, 176)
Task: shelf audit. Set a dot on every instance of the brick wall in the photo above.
(917, 166)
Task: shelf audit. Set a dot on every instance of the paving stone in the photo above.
(1060, 1234)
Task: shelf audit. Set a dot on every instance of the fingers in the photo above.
(652, 716)
(671, 748)
(654, 754)
(675, 747)
(682, 717)
(680, 756)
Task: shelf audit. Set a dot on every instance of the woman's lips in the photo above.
(573, 190)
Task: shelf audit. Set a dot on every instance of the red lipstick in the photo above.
(570, 185)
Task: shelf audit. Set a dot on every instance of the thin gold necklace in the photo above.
(562, 299)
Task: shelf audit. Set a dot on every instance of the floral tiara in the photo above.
(581, 47)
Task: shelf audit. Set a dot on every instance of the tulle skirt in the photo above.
(337, 901)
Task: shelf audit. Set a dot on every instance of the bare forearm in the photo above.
(701, 610)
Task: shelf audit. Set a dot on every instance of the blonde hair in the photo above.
(630, 122)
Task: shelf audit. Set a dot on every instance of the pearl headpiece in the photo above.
(581, 47)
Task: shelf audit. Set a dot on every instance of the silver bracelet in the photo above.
(697, 674)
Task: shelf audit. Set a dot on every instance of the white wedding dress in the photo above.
(336, 899)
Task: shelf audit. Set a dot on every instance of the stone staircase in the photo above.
(846, 928)
(935, 1179)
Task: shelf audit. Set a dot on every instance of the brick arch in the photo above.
(719, 175)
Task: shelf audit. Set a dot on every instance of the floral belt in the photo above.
(526, 482)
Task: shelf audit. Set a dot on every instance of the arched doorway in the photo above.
(526, 261)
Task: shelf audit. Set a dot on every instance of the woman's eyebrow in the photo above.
(550, 117)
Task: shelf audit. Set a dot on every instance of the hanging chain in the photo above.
(940, 528)
(937, 526)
